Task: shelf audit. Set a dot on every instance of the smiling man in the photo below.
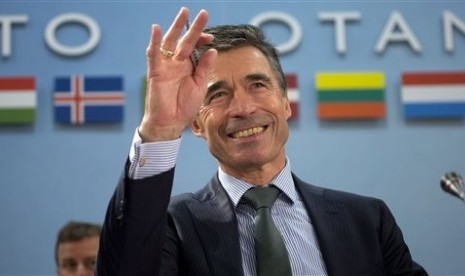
(255, 217)
(244, 115)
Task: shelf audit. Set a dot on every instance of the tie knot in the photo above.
(261, 197)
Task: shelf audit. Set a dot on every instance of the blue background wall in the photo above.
(52, 173)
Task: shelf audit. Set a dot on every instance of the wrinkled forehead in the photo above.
(238, 65)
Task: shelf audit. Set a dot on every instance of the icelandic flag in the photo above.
(88, 99)
(433, 94)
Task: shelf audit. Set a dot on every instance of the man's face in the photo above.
(78, 257)
(244, 115)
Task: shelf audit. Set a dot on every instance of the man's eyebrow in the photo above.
(215, 86)
(69, 259)
(259, 76)
(251, 77)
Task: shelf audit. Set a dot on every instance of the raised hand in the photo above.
(175, 87)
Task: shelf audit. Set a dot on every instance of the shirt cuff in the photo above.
(149, 159)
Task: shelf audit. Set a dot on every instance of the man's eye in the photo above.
(258, 85)
(69, 265)
(90, 263)
(216, 95)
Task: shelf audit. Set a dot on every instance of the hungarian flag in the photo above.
(17, 100)
(350, 95)
(88, 99)
(433, 94)
(293, 94)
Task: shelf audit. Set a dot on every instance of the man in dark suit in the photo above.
(233, 94)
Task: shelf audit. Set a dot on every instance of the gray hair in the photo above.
(227, 37)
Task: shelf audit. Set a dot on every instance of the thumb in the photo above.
(205, 66)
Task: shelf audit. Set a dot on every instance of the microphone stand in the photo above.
(452, 183)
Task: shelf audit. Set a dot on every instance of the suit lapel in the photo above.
(331, 228)
(216, 225)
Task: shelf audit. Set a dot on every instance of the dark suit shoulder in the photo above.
(337, 195)
(349, 197)
(356, 208)
(365, 225)
(206, 193)
(180, 201)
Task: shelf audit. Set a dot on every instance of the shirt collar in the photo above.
(235, 188)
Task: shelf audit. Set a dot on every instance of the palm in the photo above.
(175, 88)
(175, 94)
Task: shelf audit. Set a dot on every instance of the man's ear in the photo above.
(287, 108)
(197, 129)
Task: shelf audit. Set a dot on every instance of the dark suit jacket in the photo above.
(146, 233)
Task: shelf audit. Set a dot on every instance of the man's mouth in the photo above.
(248, 132)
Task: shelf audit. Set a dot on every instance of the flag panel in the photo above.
(293, 94)
(350, 95)
(433, 94)
(17, 100)
(88, 99)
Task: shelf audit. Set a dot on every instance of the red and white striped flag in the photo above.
(433, 94)
(293, 94)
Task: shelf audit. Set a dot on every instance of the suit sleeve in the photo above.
(133, 233)
(397, 258)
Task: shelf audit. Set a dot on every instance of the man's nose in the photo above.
(242, 103)
(83, 270)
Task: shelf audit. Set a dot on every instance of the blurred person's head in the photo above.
(76, 248)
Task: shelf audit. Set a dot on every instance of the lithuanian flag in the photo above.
(17, 100)
(350, 95)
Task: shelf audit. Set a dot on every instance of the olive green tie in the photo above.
(270, 251)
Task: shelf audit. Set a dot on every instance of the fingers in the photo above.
(205, 65)
(183, 45)
(204, 39)
(170, 40)
(177, 44)
(153, 49)
(194, 36)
